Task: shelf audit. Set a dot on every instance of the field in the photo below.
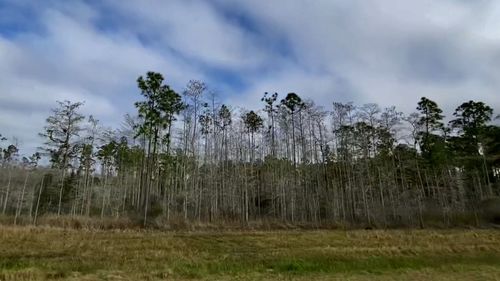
(55, 253)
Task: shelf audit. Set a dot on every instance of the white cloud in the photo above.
(196, 30)
(388, 52)
(72, 60)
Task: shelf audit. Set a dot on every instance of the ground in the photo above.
(51, 253)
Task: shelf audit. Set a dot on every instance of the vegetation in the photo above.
(49, 253)
(188, 157)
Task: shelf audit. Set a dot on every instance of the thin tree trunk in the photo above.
(7, 193)
(21, 198)
(38, 200)
(61, 192)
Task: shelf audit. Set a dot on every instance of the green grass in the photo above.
(50, 253)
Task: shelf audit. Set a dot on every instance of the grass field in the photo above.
(50, 253)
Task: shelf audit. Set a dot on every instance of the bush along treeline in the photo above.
(189, 157)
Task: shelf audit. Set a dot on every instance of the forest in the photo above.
(186, 158)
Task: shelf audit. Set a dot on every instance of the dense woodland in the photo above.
(187, 156)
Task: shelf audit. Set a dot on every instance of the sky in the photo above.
(390, 52)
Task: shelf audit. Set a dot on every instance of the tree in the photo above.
(194, 90)
(157, 111)
(224, 123)
(87, 161)
(369, 114)
(293, 104)
(270, 108)
(2, 139)
(492, 144)
(387, 131)
(471, 119)
(430, 115)
(30, 164)
(342, 122)
(60, 133)
(106, 155)
(253, 122)
(471, 143)
(206, 123)
(9, 155)
(413, 119)
(430, 120)
(281, 164)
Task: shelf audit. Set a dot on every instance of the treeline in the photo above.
(188, 157)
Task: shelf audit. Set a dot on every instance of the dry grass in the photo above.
(173, 223)
(42, 253)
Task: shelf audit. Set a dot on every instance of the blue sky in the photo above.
(390, 52)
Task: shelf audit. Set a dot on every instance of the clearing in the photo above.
(50, 253)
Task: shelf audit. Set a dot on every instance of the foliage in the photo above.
(193, 158)
(62, 127)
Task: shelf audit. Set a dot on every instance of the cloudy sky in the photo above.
(390, 52)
